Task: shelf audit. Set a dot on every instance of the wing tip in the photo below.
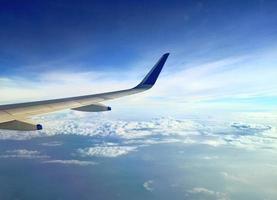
(152, 76)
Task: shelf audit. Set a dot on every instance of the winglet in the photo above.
(150, 79)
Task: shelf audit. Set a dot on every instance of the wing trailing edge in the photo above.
(12, 116)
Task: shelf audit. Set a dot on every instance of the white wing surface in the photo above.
(15, 116)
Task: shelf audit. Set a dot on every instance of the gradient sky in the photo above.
(223, 53)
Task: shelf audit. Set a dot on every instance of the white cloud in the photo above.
(106, 151)
(52, 143)
(23, 153)
(91, 126)
(210, 157)
(210, 193)
(18, 135)
(148, 185)
(70, 162)
(58, 84)
(215, 142)
(210, 132)
(250, 128)
(250, 142)
(234, 178)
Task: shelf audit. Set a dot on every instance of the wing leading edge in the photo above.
(13, 116)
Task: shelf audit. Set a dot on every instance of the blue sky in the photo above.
(223, 53)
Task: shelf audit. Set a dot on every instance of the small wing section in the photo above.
(20, 126)
(93, 108)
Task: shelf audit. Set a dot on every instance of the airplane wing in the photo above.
(16, 116)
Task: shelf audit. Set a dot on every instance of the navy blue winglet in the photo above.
(151, 78)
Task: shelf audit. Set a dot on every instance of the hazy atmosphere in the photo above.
(206, 130)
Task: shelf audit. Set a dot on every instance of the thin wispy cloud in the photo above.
(70, 162)
(24, 154)
(234, 178)
(207, 193)
(52, 143)
(225, 82)
(148, 185)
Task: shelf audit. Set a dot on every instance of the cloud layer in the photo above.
(127, 136)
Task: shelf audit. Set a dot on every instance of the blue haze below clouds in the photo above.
(172, 169)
